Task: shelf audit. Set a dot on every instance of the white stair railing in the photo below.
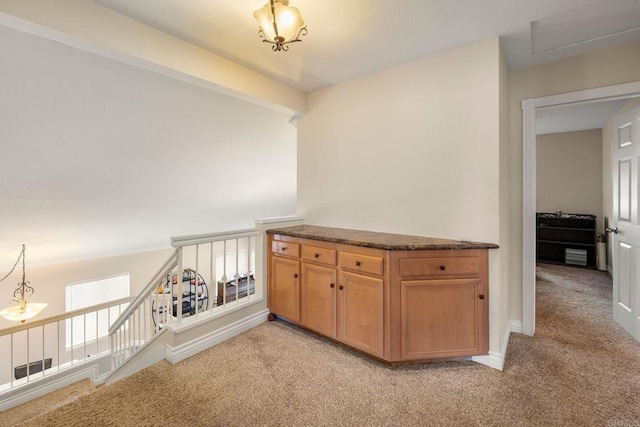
(218, 276)
(224, 265)
(145, 317)
(38, 349)
(207, 275)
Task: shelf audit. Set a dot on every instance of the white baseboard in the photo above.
(49, 384)
(494, 359)
(181, 352)
(516, 326)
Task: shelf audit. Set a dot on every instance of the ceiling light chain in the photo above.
(21, 295)
(14, 265)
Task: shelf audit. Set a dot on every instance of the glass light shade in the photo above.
(16, 313)
(288, 21)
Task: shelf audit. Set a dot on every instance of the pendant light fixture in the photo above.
(23, 311)
(280, 24)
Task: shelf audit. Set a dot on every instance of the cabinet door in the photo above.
(285, 300)
(442, 318)
(360, 312)
(318, 308)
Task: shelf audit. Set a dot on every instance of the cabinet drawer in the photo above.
(362, 263)
(319, 255)
(438, 267)
(286, 248)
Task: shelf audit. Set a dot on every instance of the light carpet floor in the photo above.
(580, 369)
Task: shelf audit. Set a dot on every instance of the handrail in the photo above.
(128, 339)
(64, 316)
(171, 262)
(196, 239)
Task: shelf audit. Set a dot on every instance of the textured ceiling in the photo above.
(350, 38)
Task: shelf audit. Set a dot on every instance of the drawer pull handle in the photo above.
(357, 263)
(333, 285)
(295, 275)
(284, 248)
(481, 296)
(442, 267)
(316, 255)
(341, 287)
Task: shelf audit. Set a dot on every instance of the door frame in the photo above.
(529, 108)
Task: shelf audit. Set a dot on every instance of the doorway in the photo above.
(531, 108)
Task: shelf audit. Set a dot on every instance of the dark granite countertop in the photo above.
(373, 239)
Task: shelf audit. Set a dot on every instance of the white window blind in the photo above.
(87, 294)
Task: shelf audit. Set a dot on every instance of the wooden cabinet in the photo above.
(284, 290)
(318, 303)
(360, 312)
(439, 318)
(396, 305)
(441, 304)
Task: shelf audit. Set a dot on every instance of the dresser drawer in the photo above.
(286, 248)
(319, 255)
(439, 267)
(362, 263)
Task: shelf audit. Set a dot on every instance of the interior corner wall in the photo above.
(617, 65)
(504, 194)
(607, 169)
(569, 173)
(412, 149)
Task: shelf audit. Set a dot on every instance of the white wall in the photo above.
(101, 158)
(620, 64)
(412, 149)
(569, 173)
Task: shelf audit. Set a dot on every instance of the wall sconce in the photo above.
(21, 295)
(280, 24)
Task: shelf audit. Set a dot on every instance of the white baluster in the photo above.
(28, 351)
(224, 274)
(237, 270)
(213, 292)
(195, 286)
(248, 268)
(58, 343)
(43, 364)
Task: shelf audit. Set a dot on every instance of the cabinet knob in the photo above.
(341, 287)
(333, 285)
(284, 248)
(295, 275)
(442, 268)
(481, 296)
(357, 263)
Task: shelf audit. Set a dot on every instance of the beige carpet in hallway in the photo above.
(580, 369)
